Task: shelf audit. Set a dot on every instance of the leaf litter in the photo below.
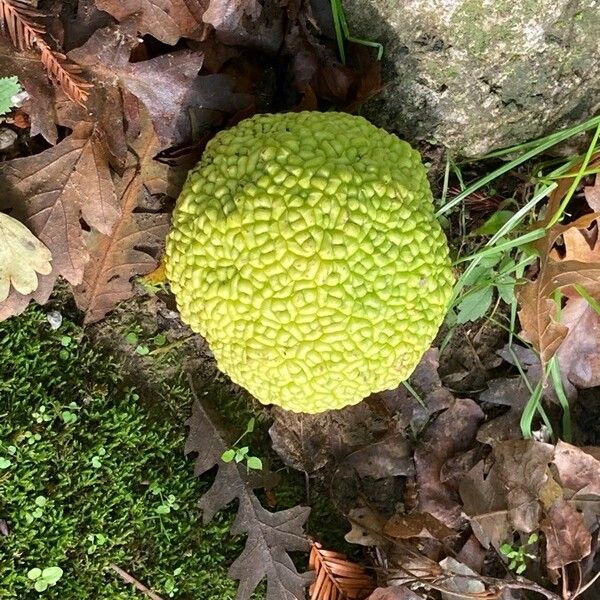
(433, 484)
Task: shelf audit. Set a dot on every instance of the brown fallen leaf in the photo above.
(33, 78)
(580, 265)
(166, 20)
(132, 247)
(337, 578)
(452, 432)
(227, 15)
(168, 85)
(579, 352)
(301, 440)
(417, 525)
(270, 535)
(389, 456)
(512, 493)
(51, 191)
(578, 470)
(567, 537)
(367, 527)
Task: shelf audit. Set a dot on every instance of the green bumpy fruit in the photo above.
(304, 248)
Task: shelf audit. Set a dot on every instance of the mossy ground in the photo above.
(89, 467)
(94, 430)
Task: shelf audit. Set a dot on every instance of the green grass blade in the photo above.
(554, 371)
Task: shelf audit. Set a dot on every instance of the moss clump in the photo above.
(90, 477)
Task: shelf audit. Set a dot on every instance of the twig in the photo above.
(127, 578)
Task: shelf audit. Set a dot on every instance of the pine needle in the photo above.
(337, 578)
(16, 21)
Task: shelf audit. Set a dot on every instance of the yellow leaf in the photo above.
(22, 256)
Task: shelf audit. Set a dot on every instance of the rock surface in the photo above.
(476, 75)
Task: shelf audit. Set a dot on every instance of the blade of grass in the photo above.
(555, 375)
(538, 147)
(555, 137)
(563, 205)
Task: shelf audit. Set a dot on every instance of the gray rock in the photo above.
(475, 75)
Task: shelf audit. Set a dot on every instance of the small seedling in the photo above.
(41, 415)
(45, 578)
(97, 459)
(171, 585)
(517, 556)
(239, 454)
(96, 540)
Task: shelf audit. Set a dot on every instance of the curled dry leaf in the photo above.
(567, 537)
(511, 495)
(367, 527)
(452, 432)
(22, 257)
(337, 578)
(50, 193)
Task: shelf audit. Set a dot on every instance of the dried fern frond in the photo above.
(16, 20)
(337, 578)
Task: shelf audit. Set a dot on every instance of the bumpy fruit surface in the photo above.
(305, 249)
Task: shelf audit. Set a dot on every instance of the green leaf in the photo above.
(506, 291)
(41, 585)
(142, 350)
(34, 573)
(163, 509)
(9, 87)
(533, 538)
(254, 463)
(160, 339)
(228, 455)
(131, 338)
(506, 549)
(521, 568)
(250, 425)
(40, 501)
(494, 223)
(52, 574)
(4, 463)
(474, 305)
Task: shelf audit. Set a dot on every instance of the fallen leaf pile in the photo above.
(455, 511)
(123, 103)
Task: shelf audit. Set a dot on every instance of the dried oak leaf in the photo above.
(228, 15)
(337, 578)
(131, 247)
(511, 494)
(53, 191)
(166, 20)
(168, 85)
(578, 265)
(270, 535)
(567, 537)
(452, 432)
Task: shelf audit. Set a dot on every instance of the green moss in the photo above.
(93, 476)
